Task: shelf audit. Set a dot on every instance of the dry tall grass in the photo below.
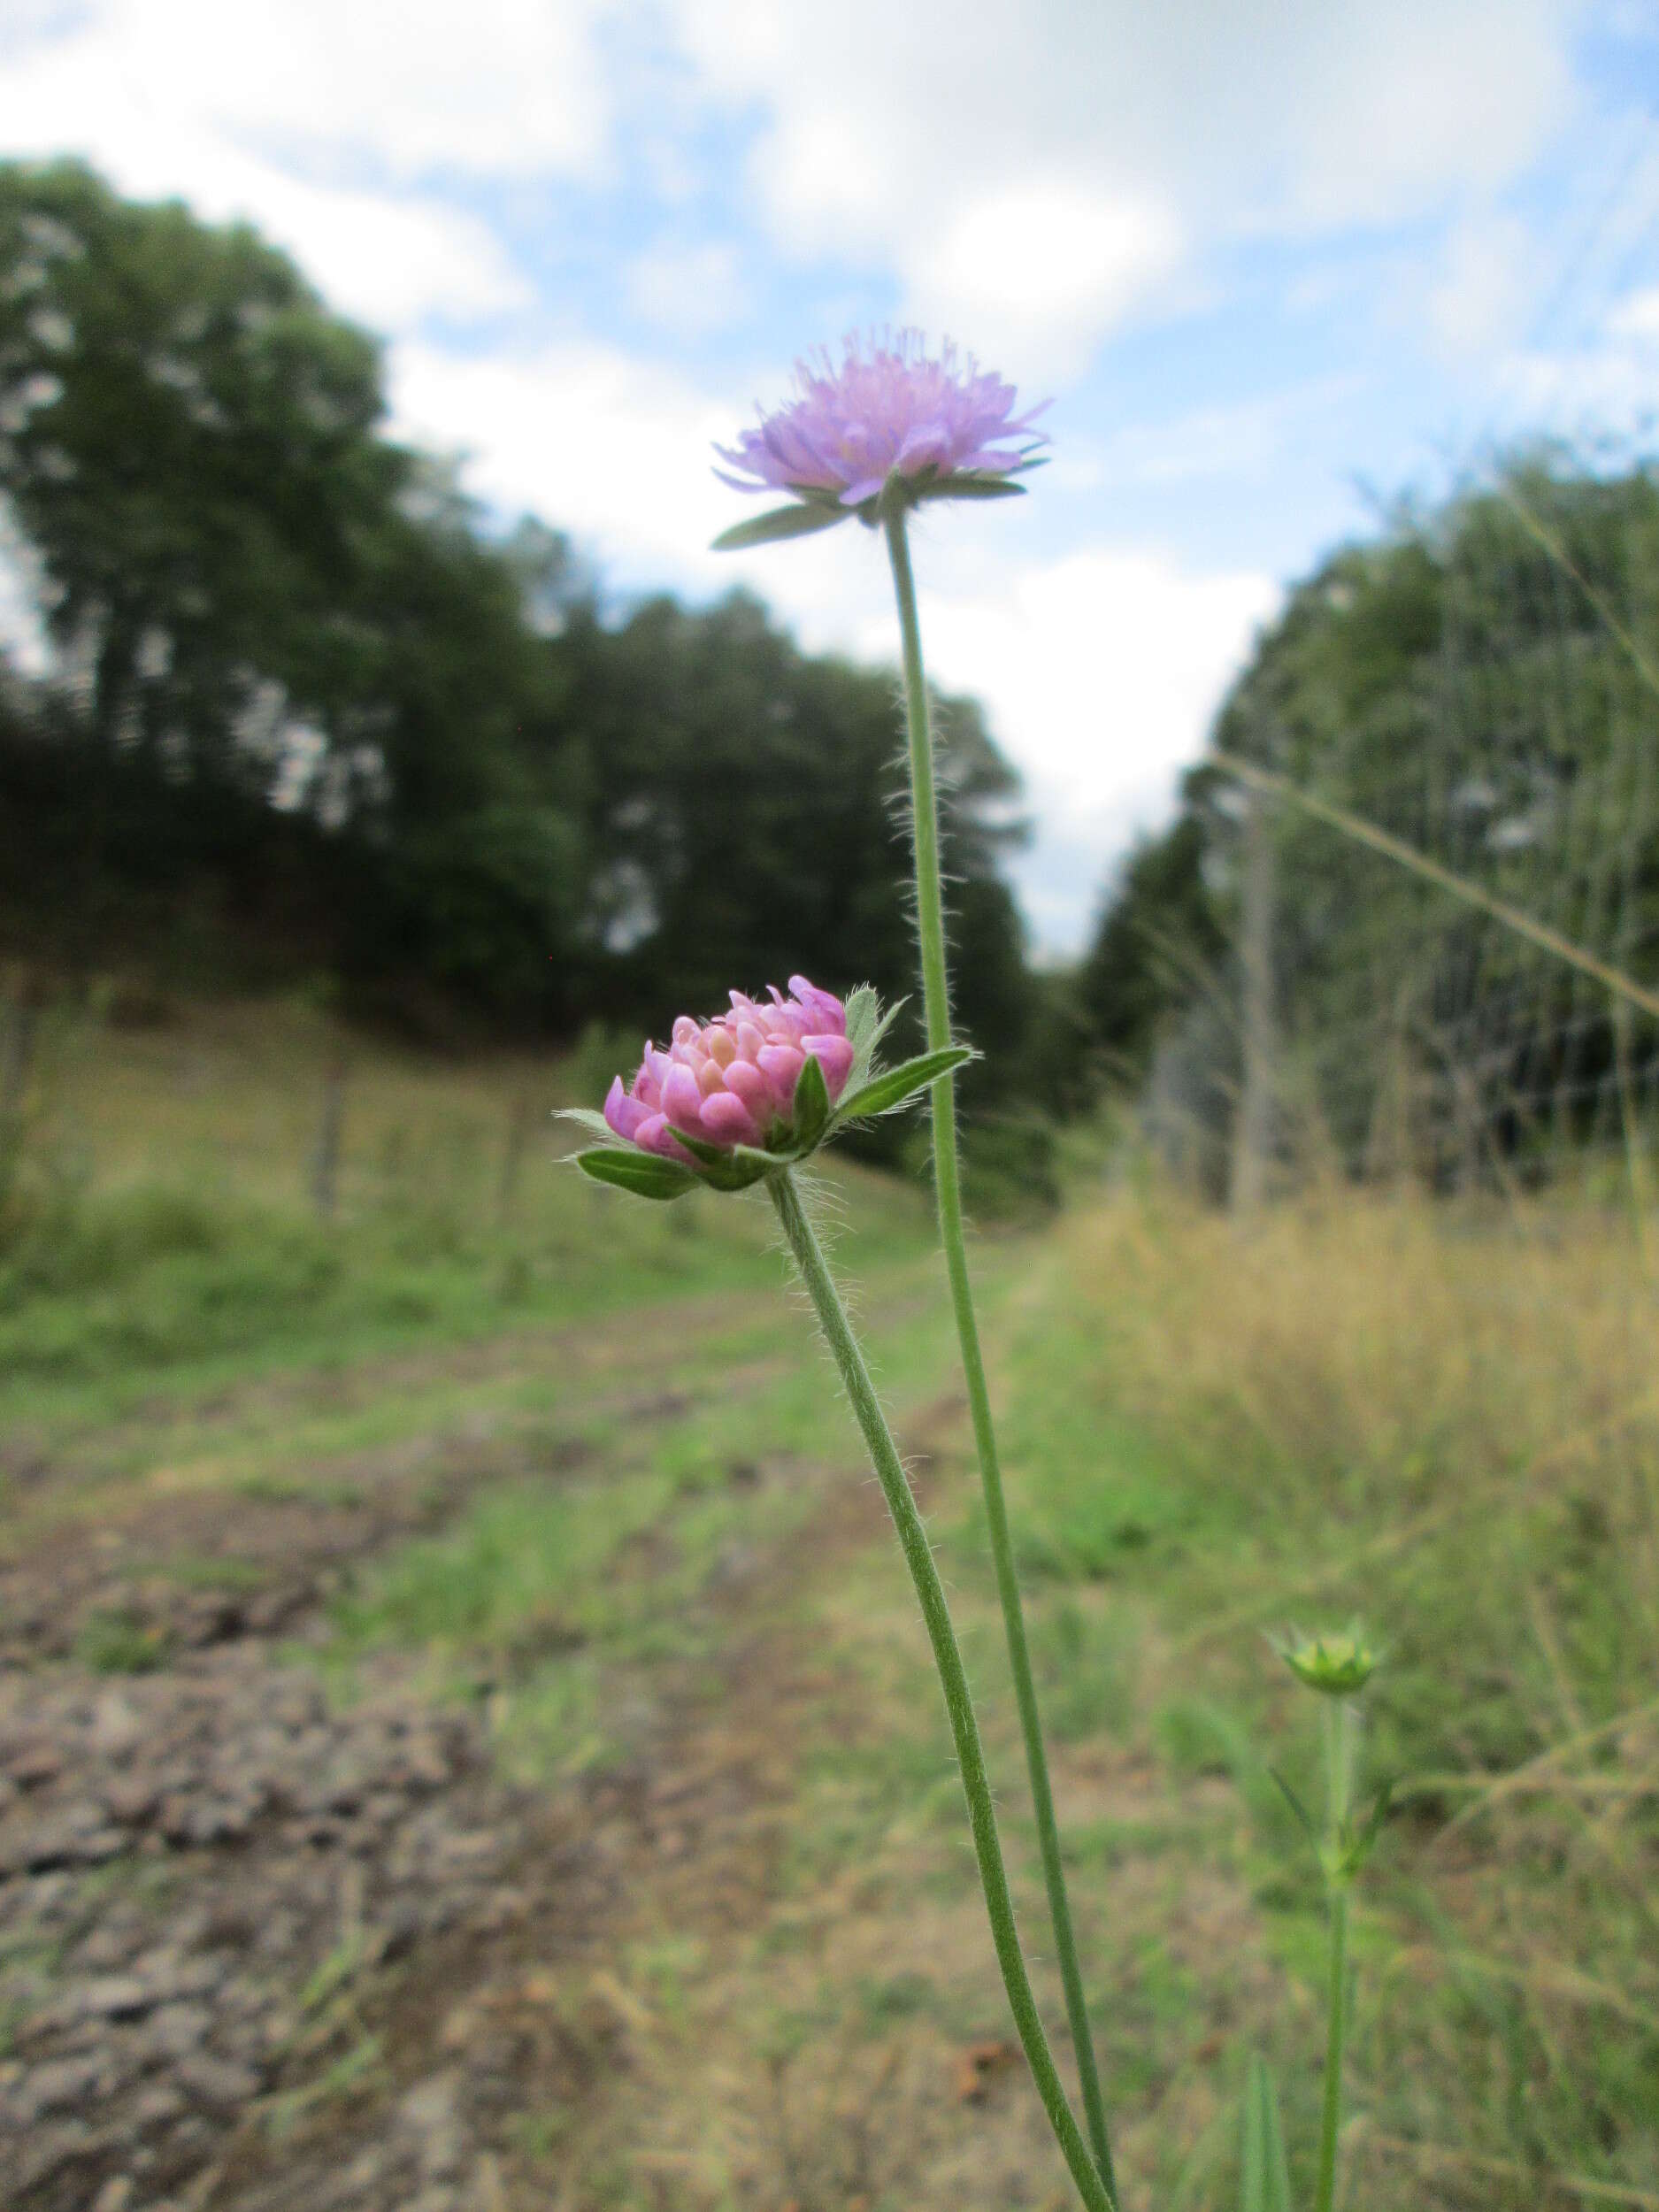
(1449, 1422)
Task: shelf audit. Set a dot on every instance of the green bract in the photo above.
(815, 509)
(1336, 1666)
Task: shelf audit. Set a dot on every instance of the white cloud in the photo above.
(1102, 673)
(687, 288)
(1187, 123)
(1028, 178)
(610, 446)
(1040, 271)
(1102, 669)
(1594, 394)
(1637, 317)
(504, 87)
(1605, 388)
(386, 259)
(1247, 438)
(325, 122)
(1383, 112)
(388, 262)
(1476, 300)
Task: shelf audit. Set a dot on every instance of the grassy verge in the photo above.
(160, 1234)
(1445, 1426)
(1448, 1425)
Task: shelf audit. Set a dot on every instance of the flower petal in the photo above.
(682, 1100)
(728, 1120)
(834, 1056)
(782, 1065)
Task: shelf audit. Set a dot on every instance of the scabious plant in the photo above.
(1335, 1665)
(889, 429)
(799, 1048)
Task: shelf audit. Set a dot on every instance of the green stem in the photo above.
(1338, 1722)
(1335, 1729)
(1332, 2114)
(999, 1904)
(930, 920)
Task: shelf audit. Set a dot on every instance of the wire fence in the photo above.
(1433, 827)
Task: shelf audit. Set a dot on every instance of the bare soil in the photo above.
(259, 1949)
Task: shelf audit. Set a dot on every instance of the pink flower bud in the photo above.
(733, 1081)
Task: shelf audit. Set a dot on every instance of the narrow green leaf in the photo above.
(1265, 2177)
(1252, 2151)
(1379, 1812)
(810, 1111)
(647, 1174)
(970, 486)
(885, 1092)
(1277, 2166)
(797, 522)
(1296, 1806)
(1355, 1845)
(585, 1118)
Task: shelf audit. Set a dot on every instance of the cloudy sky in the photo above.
(1272, 263)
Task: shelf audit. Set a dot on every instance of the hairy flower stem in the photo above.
(1095, 2192)
(1337, 1716)
(930, 920)
(1331, 2118)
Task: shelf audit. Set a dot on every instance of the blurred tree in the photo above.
(188, 448)
(745, 820)
(1160, 935)
(1476, 683)
(261, 606)
(307, 713)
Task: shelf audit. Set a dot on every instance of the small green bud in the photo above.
(1337, 1665)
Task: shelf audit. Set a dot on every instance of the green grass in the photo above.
(1450, 1434)
(1446, 1424)
(159, 1226)
(112, 1641)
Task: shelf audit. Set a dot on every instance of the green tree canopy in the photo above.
(310, 705)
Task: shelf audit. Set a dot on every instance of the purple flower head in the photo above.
(890, 421)
(732, 1080)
